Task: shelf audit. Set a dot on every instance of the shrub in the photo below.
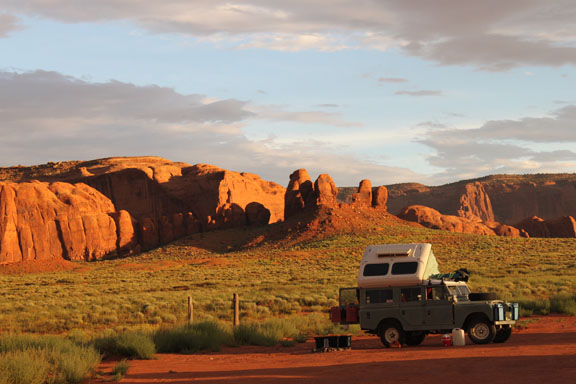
(563, 303)
(33, 359)
(206, 335)
(120, 370)
(130, 345)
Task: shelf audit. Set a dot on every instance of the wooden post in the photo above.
(190, 310)
(236, 310)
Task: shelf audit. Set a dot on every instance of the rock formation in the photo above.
(41, 221)
(535, 226)
(380, 197)
(257, 214)
(363, 198)
(299, 195)
(431, 218)
(506, 199)
(326, 191)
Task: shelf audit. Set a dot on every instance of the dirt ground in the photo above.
(543, 351)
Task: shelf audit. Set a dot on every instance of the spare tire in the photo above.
(482, 296)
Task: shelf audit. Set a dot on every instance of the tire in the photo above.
(482, 296)
(390, 332)
(503, 334)
(415, 338)
(481, 331)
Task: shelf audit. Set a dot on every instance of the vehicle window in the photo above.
(406, 268)
(376, 269)
(436, 293)
(410, 294)
(348, 296)
(375, 296)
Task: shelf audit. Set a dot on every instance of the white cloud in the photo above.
(527, 145)
(8, 24)
(46, 116)
(491, 34)
(423, 92)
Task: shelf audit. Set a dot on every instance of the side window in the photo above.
(405, 268)
(410, 294)
(376, 296)
(436, 293)
(376, 269)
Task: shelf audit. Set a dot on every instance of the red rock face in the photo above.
(431, 218)
(299, 196)
(380, 197)
(41, 221)
(564, 226)
(167, 200)
(505, 199)
(326, 191)
(257, 214)
(475, 203)
(363, 197)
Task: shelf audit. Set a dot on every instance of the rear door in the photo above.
(411, 307)
(438, 310)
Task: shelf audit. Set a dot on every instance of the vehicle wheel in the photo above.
(482, 296)
(503, 334)
(391, 332)
(415, 338)
(480, 331)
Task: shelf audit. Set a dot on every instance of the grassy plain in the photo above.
(292, 276)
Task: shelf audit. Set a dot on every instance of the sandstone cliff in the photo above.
(431, 218)
(150, 200)
(40, 221)
(503, 198)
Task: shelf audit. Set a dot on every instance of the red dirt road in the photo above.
(545, 351)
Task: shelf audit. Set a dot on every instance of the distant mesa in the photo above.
(90, 210)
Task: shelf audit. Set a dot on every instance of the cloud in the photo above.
(8, 23)
(423, 92)
(47, 116)
(527, 145)
(492, 35)
(392, 80)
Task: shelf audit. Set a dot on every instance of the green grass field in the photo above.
(275, 279)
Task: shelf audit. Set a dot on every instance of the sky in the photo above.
(393, 91)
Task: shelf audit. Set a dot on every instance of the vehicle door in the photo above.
(411, 308)
(438, 309)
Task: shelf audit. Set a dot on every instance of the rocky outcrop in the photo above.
(431, 218)
(257, 214)
(535, 226)
(41, 221)
(162, 195)
(475, 203)
(363, 198)
(325, 191)
(299, 195)
(506, 199)
(380, 197)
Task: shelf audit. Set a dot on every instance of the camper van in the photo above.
(402, 297)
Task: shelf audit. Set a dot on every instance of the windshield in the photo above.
(459, 291)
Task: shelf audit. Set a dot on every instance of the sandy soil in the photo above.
(543, 351)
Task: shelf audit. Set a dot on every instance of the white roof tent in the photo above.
(396, 264)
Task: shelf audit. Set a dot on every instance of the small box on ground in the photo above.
(333, 343)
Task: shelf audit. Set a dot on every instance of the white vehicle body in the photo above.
(392, 265)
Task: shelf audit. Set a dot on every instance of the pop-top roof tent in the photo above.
(396, 264)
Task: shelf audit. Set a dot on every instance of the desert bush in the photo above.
(564, 304)
(206, 335)
(132, 345)
(35, 359)
(120, 370)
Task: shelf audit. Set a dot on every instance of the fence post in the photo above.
(236, 310)
(190, 310)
